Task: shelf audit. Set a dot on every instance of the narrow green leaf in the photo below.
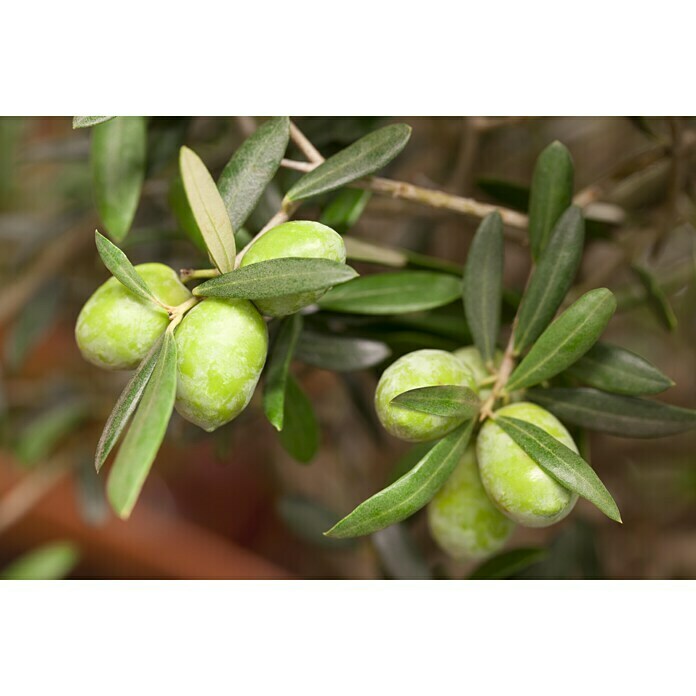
(399, 555)
(619, 371)
(146, 432)
(552, 278)
(561, 463)
(393, 293)
(657, 299)
(551, 194)
(300, 433)
(447, 400)
(625, 416)
(568, 338)
(277, 277)
(184, 215)
(118, 171)
(126, 404)
(121, 268)
(411, 492)
(42, 435)
(89, 121)
(508, 563)
(252, 167)
(345, 209)
(278, 370)
(483, 284)
(363, 157)
(208, 210)
(340, 353)
(53, 561)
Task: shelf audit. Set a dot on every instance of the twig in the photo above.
(506, 367)
(306, 147)
(430, 197)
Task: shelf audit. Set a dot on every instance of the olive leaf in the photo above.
(619, 371)
(657, 300)
(345, 209)
(483, 284)
(551, 194)
(145, 434)
(625, 416)
(393, 293)
(53, 561)
(126, 404)
(300, 433)
(178, 202)
(278, 370)
(89, 121)
(561, 463)
(251, 168)
(122, 269)
(449, 400)
(208, 209)
(508, 563)
(118, 171)
(363, 157)
(277, 277)
(411, 492)
(340, 353)
(568, 338)
(552, 278)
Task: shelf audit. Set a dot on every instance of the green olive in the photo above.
(463, 520)
(116, 329)
(298, 239)
(221, 350)
(513, 481)
(471, 357)
(421, 368)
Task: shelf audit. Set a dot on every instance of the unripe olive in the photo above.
(463, 520)
(116, 329)
(421, 368)
(221, 350)
(298, 239)
(471, 357)
(513, 480)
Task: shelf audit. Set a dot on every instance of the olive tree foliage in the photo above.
(543, 346)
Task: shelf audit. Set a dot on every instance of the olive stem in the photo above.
(186, 274)
(430, 197)
(304, 144)
(506, 367)
(177, 313)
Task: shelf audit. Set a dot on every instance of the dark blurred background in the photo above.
(234, 504)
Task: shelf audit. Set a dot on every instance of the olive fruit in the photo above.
(463, 521)
(471, 357)
(116, 329)
(421, 368)
(221, 350)
(298, 239)
(513, 480)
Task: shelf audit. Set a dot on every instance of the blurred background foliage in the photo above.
(235, 504)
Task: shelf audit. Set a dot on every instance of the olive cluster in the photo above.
(496, 484)
(222, 344)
